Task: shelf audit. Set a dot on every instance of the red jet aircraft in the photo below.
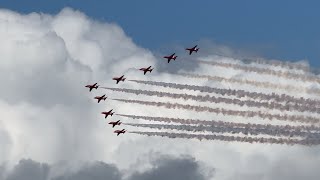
(120, 131)
(118, 79)
(103, 97)
(114, 123)
(195, 49)
(145, 70)
(108, 113)
(172, 56)
(93, 86)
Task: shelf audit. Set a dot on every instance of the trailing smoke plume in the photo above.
(227, 129)
(307, 142)
(247, 114)
(308, 103)
(300, 128)
(269, 85)
(274, 63)
(288, 75)
(212, 99)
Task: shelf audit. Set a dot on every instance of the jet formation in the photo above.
(99, 98)
(122, 78)
(171, 57)
(120, 131)
(114, 123)
(93, 86)
(118, 79)
(145, 70)
(194, 49)
(107, 113)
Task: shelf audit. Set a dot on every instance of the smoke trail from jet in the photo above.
(300, 128)
(247, 114)
(274, 63)
(288, 75)
(307, 142)
(212, 99)
(282, 64)
(308, 103)
(269, 85)
(226, 129)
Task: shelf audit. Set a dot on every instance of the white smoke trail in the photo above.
(269, 85)
(287, 75)
(282, 64)
(247, 114)
(212, 99)
(309, 103)
(274, 63)
(300, 128)
(307, 142)
(227, 129)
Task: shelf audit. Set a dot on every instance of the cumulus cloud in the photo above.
(29, 170)
(94, 171)
(48, 116)
(47, 61)
(162, 167)
(168, 168)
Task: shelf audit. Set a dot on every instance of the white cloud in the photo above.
(47, 114)
(164, 167)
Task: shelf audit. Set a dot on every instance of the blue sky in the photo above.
(287, 29)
